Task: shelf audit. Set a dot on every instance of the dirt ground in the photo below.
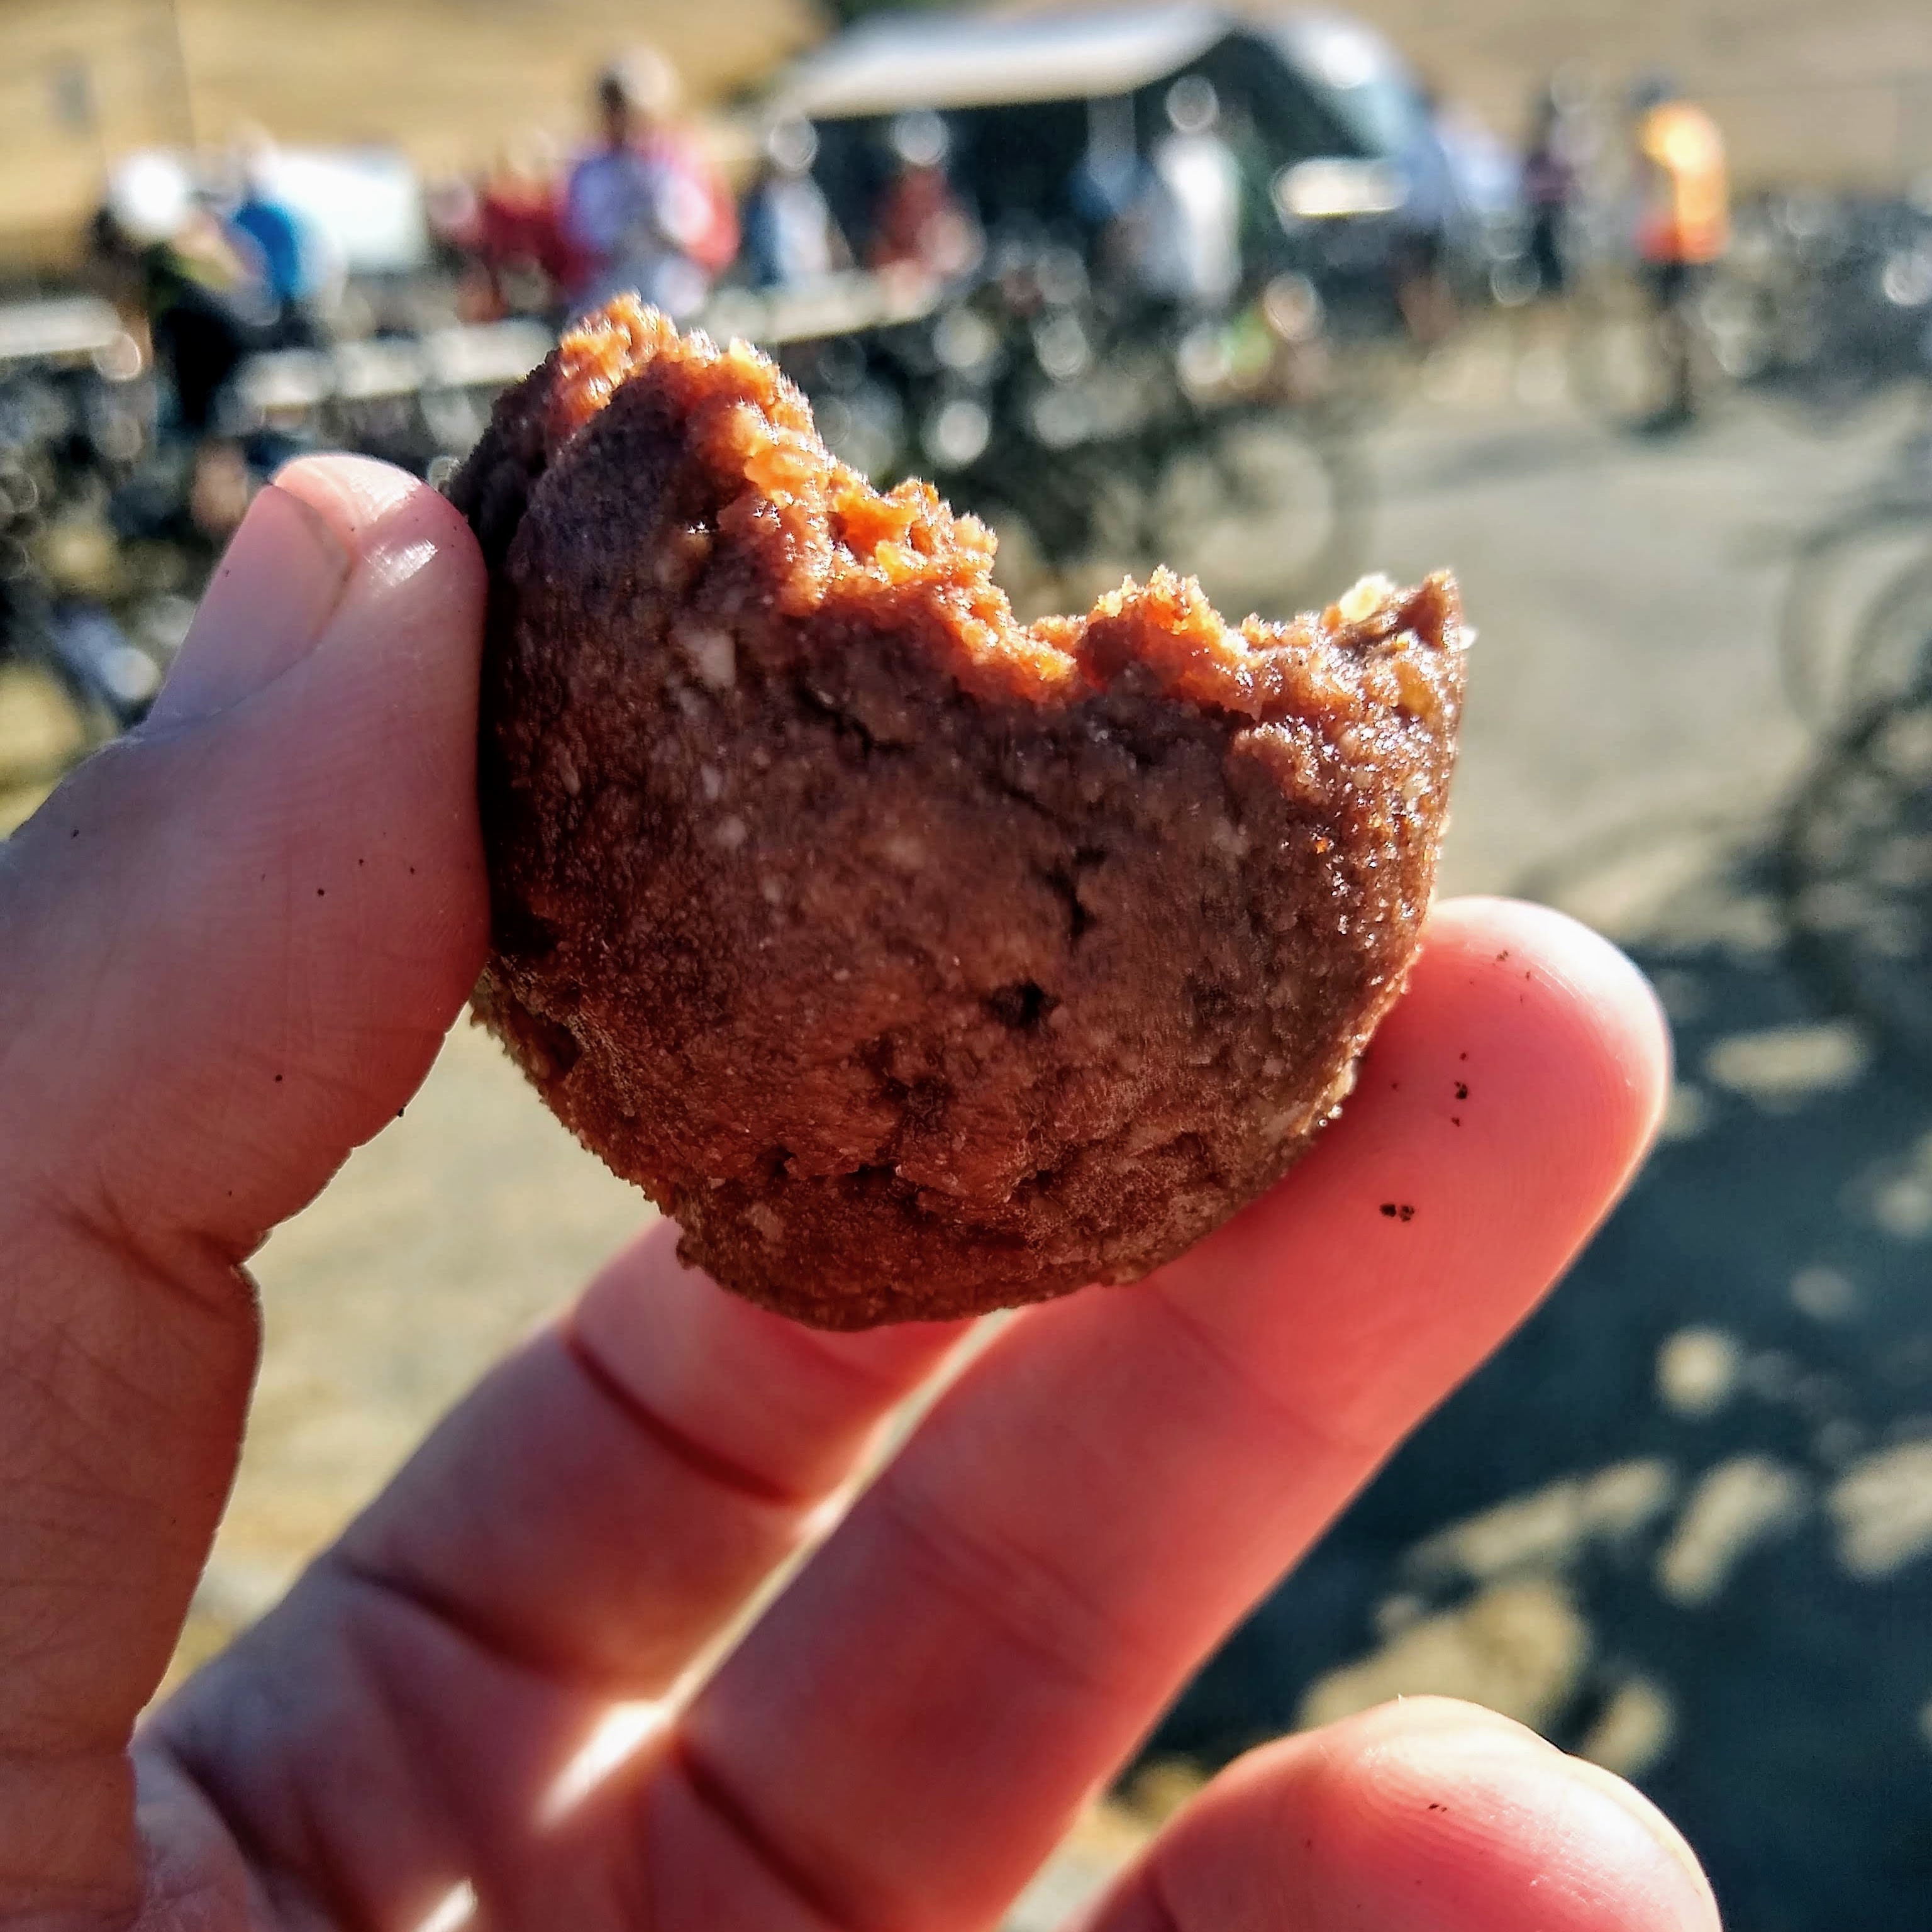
(1625, 593)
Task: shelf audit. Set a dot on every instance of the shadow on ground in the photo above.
(1683, 1521)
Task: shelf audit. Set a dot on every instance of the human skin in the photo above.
(229, 948)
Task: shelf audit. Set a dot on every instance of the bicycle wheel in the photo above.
(1620, 357)
(1269, 517)
(1057, 515)
(1889, 655)
(1855, 865)
(1837, 576)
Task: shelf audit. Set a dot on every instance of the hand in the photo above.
(229, 947)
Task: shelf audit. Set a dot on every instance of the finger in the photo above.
(1120, 1477)
(1430, 1815)
(607, 1498)
(600, 1507)
(229, 946)
(260, 913)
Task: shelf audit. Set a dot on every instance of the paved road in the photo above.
(1625, 594)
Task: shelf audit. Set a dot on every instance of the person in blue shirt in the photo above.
(290, 254)
(791, 237)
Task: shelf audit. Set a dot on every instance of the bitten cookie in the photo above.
(919, 961)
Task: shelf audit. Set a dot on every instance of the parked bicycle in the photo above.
(96, 578)
(1848, 627)
(1855, 863)
(1097, 437)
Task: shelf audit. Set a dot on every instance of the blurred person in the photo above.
(203, 288)
(646, 209)
(209, 306)
(1103, 186)
(1551, 179)
(516, 235)
(301, 273)
(199, 288)
(791, 237)
(1109, 177)
(921, 222)
(1682, 224)
(480, 1704)
(1432, 214)
(1183, 226)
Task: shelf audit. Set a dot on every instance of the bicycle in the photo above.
(92, 604)
(1845, 579)
(1097, 437)
(1855, 862)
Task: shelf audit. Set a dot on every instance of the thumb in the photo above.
(229, 945)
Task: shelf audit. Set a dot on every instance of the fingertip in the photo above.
(1556, 956)
(331, 536)
(1499, 1828)
(271, 598)
(1566, 1018)
(391, 694)
(1620, 1791)
(351, 494)
(377, 512)
(1431, 1812)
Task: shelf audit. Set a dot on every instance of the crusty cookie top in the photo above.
(1375, 657)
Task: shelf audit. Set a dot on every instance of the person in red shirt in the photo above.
(921, 222)
(518, 239)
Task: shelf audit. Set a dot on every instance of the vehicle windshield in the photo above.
(1353, 76)
(1381, 111)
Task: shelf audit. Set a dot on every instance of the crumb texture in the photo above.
(919, 961)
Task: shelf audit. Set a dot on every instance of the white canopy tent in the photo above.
(952, 60)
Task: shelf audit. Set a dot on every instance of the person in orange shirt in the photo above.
(1683, 222)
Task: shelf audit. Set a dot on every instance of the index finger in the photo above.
(1103, 1494)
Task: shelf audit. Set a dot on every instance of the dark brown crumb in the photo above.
(919, 962)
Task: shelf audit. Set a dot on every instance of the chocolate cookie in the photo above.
(919, 962)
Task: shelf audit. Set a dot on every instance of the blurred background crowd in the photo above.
(1211, 243)
(1625, 312)
(1183, 253)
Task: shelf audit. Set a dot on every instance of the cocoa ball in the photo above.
(918, 961)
